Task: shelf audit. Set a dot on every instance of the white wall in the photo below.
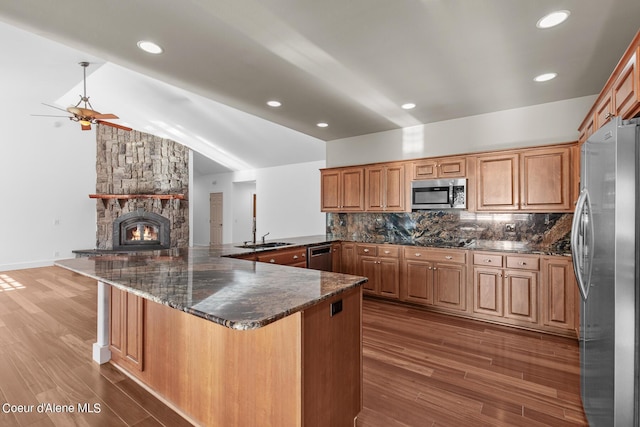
(288, 203)
(47, 165)
(550, 123)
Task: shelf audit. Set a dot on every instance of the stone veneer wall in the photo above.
(552, 230)
(132, 162)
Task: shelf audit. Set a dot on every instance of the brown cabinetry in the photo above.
(506, 286)
(620, 95)
(126, 331)
(559, 293)
(381, 265)
(532, 180)
(342, 189)
(445, 167)
(349, 259)
(385, 187)
(435, 277)
(294, 257)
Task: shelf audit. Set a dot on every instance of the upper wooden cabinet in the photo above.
(385, 187)
(446, 167)
(546, 179)
(620, 95)
(342, 190)
(498, 182)
(532, 180)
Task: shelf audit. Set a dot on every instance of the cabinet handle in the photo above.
(387, 252)
(366, 250)
(430, 268)
(295, 257)
(272, 260)
(522, 263)
(418, 254)
(487, 260)
(435, 268)
(448, 257)
(608, 116)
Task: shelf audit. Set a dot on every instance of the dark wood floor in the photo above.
(420, 368)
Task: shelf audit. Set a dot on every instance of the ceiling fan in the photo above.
(83, 111)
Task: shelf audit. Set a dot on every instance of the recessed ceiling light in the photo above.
(150, 47)
(553, 19)
(274, 103)
(545, 77)
(408, 106)
(322, 125)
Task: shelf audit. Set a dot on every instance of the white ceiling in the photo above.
(348, 63)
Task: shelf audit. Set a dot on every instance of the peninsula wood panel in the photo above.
(222, 377)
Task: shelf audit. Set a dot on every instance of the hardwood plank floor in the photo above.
(428, 369)
(420, 368)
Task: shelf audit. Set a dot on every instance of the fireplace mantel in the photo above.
(122, 198)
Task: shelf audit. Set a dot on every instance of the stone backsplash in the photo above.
(133, 162)
(424, 227)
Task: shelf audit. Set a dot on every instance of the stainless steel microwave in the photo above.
(439, 194)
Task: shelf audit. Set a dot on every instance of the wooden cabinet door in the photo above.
(418, 282)
(336, 257)
(546, 179)
(559, 293)
(126, 328)
(330, 197)
(349, 263)
(389, 277)
(487, 291)
(521, 295)
(369, 269)
(352, 190)
(452, 167)
(395, 188)
(625, 90)
(374, 184)
(498, 182)
(604, 110)
(425, 169)
(449, 283)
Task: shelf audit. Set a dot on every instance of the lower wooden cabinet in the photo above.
(348, 259)
(381, 265)
(294, 257)
(560, 292)
(126, 331)
(435, 277)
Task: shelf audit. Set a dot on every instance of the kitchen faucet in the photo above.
(264, 237)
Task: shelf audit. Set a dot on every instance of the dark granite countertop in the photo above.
(238, 294)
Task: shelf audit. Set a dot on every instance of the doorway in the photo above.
(215, 218)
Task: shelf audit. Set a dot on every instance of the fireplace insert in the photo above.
(141, 230)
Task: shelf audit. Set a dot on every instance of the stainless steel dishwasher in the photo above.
(319, 257)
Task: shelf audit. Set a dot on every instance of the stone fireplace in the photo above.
(141, 182)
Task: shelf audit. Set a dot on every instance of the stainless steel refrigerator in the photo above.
(604, 245)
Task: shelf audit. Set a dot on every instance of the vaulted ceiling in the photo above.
(350, 64)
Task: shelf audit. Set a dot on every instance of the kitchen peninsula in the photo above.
(228, 341)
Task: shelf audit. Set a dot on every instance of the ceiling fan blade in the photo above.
(85, 127)
(105, 116)
(53, 106)
(114, 125)
(48, 115)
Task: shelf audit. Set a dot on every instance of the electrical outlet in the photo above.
(510, 227)
(56, 254)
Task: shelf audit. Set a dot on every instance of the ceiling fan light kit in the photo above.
(83, 111)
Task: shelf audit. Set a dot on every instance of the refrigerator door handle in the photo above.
(580, 241)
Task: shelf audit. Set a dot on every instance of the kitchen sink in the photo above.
(263, 245)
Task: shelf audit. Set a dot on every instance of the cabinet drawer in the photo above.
(388, 251)
(523, 262)
(284, 257)
(369, 250)
(488, 260)
(436, 255)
